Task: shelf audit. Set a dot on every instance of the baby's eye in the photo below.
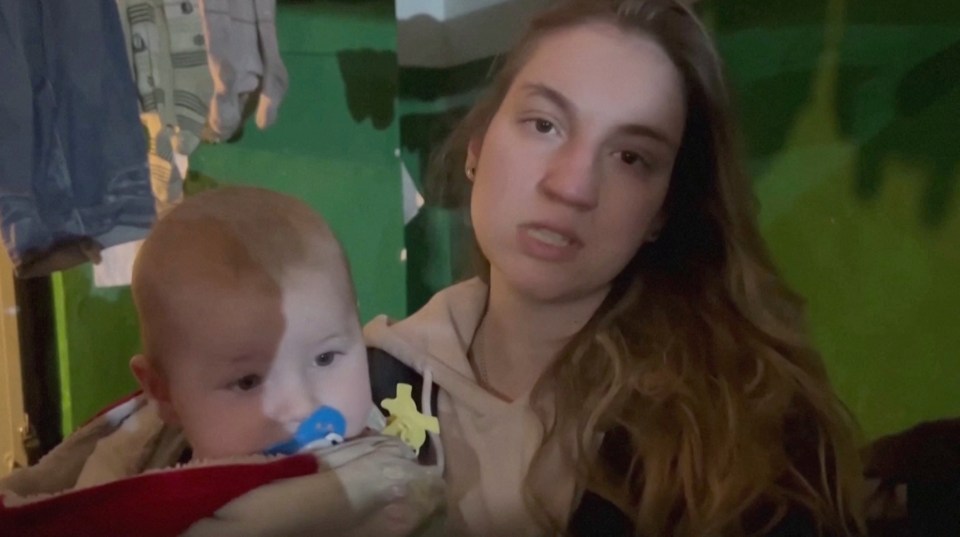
(325, 359)
(247, 383)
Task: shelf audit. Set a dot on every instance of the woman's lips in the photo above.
(547, 242)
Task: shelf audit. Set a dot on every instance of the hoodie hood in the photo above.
(488, 443)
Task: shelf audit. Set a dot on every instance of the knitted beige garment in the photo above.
(168, 59)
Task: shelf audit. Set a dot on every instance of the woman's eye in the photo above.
(543, 126)
(632, 158)
(247, 382)
(324, 359)
(629, 157)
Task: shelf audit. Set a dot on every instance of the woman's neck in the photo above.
(520, 337)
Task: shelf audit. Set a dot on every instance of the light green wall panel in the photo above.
(96, 336)
(850, 111)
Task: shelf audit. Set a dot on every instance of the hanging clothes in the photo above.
(73, 170)
(245, 62)
(168, 57)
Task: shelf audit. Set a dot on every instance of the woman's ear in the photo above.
(473, 156)
(154, 384)
(656, 226)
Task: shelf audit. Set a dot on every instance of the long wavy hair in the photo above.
(698, 362)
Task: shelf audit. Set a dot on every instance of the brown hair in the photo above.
(699, 359)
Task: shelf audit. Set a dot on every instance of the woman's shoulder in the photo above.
(441, 329)
(459, 303)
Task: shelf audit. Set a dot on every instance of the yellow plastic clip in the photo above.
(405, 421)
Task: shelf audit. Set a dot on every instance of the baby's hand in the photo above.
(413, 492)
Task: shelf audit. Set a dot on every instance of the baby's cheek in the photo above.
(211, 446)
(356, 411)
(349, 392)
(238, 435)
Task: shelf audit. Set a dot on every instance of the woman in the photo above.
(629, 355)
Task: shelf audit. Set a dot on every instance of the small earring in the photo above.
(471, 172)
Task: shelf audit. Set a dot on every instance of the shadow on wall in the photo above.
(897, 95)
(922, 131)
(370, 95)
(772, 50)
(423, 133)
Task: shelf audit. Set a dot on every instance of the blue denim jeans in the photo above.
(73, 156)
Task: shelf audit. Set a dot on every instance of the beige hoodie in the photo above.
(488, 443)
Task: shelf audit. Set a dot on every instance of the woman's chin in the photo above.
(546, 286)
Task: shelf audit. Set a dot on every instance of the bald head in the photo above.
(230, 240)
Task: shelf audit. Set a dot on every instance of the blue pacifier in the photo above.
(323, 428)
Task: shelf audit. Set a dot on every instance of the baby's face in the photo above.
(254, 366)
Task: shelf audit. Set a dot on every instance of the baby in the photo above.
(249, 325)
(251, 345)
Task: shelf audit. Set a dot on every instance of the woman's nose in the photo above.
(572, 176)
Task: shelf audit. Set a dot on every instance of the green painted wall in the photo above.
(336, 141)
(850, 111)
(333, 146)
(96, 336)
(430, 103)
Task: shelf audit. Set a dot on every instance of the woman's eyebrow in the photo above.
(648, 131)
(558, 99)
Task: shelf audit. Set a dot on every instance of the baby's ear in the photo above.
(155, 386)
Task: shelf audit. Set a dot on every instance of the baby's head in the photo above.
(248, 321)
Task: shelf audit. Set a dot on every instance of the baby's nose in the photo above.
(288, 404)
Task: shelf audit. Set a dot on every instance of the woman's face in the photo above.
(573, 169)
